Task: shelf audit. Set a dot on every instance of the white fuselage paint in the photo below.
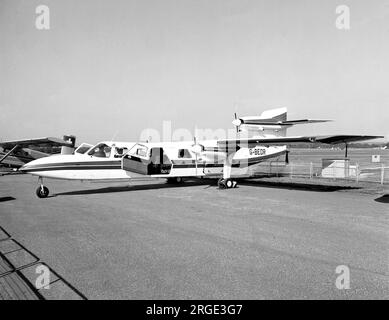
(86, 167)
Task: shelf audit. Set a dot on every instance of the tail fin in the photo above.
(273, 115)
(267, 124)
(272, 122)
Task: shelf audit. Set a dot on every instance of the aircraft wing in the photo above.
(335, 139)
(331, 139)
(13, 145)
(43, 142)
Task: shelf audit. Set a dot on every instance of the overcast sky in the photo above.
(110, 68)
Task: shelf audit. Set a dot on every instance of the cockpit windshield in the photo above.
(84, 147)
(101, 151)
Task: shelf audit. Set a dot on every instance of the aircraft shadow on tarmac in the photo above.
(209, 183)
(383, 199)
(4, 199)
(131, 188)
(295, 186)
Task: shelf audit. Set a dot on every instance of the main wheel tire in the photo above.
(221, 183)
(42, 192)
(179, 180)
(176, 180)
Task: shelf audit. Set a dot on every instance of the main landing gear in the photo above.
(42, 191)
(226, 183)
(176, 180)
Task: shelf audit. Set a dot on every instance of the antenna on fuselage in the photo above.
(114, 135)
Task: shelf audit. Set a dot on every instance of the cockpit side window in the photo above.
(100, 151)
(139, 150)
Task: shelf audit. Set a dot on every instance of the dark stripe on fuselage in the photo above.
(87, 165)
(76, 164)
(235, 163)
(60, 168)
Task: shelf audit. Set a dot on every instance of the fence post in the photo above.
(382, 173)
(357, 172)
(310, 170)
(278, 169)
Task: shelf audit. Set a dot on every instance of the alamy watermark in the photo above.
(342, 21)
(42, 20)
(343, 280)
(43, 279)
(183, 134)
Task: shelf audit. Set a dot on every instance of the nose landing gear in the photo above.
(226, 182)
(42, 191)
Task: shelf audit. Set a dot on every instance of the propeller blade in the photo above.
(196, 148)
(236, 122)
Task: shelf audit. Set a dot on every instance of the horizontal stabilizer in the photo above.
(261, 122)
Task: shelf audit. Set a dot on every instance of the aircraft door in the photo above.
(159, 162)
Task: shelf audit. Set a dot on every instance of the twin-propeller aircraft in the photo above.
(259, 138)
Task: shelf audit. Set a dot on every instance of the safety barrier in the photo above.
(353, 171)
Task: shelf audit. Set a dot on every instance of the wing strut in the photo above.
(226, 182)
(227, 166)
(8, 153)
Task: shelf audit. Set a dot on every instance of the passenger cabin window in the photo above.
(141, 152)
(100, 151)
(184, 153)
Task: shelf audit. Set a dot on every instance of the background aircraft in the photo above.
(16, 153)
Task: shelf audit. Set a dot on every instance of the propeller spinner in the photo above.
(196, 148)
(236, 122)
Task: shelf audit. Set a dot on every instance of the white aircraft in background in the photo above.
(16, 153)
(259, 138)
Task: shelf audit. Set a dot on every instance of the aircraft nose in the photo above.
(24, 168)
(27, 167)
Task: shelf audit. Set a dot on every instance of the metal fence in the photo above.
(353, 171)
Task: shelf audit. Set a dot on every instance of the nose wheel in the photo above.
(42, 191)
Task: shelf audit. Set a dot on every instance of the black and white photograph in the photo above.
(195, 155)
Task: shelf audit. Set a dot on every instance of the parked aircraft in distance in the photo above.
(16, 153)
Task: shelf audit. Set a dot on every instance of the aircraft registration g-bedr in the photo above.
(265, 138)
